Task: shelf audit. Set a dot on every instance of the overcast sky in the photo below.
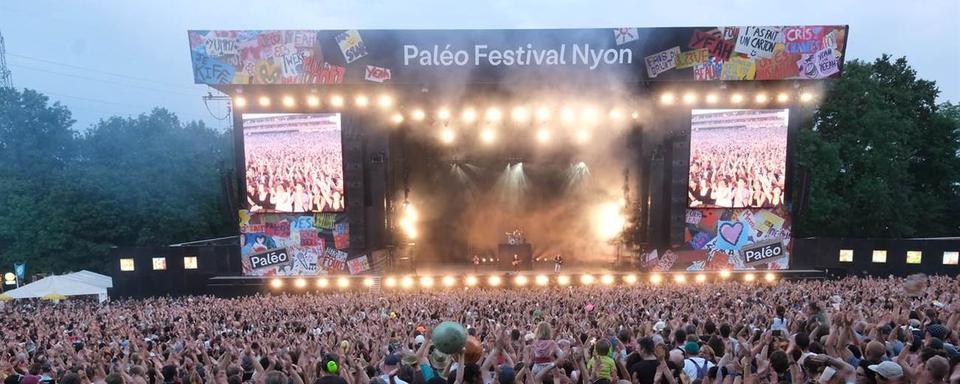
(104, 58)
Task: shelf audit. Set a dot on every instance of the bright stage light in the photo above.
(586, 279)
(493, 114)
(542, 280)
(390, 282)
(494, 281)
(313, 101)
(410, 212)
(607, 220)
(588, 115)
(323, 282)
(667, 98)
(336, 101)
(749, 277)
(656, 278)
(543, 135)
(469, 115)
(679, 279)
(567, 115)
(368, 282)
(264, 101)
(635, 115)
(761, 98)
(412, 233)
(418, 115)
(385, 101)
(447, 136)
(770, 277)
(239, 102)
(543, 113)
(343, 283)
(701, 278)
(736, 98)
(806, 97)
(712, 98)
(689, 98)
(519, 114)
(276, 283)
(300, 282)
(615, 114)
(488, 135)
(289, 102)
(426, 282)
(397, 118)
(725, 274)
(630, 279)
(563, 280)
(361, 101)
(470, 281)
(443, 114)
(406, 282)
(783, 97)
(449, 281)
(582, 135)
(606, 279)
(520, 280)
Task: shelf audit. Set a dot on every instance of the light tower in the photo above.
(5, 80)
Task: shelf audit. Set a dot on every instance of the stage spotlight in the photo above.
(239, 102)
(588, 116)
(701, 278)
(630, 279)
(493, 114)
(667, 98)
(289, 102)
(443, 114)
(488, 135)
(300, 282)
(447, 136)
(783, 97)
(470, 281)
(494, 281)
(567, 115)
(725, 274)
(406, 282)
(343, 283)
(276, 283)
(543, 135)
(390, 282)
(368, 282)
(323, 282)
(361, 101)
(806, 97)
(313, 101)
(563, 280)
(582, 135)
(615, 114)
(679, 279)
(397, 118)
(736, 98)
(264, 101)
(520, 280)
(542, 280)
(336, 101)
(656, 278)
(712, 98)
(606, 279)
(469, 115)
(608, 220)
(749, 277)
(543, 113)
(418, 115)
(519, 115)
(689, 98)
(770, 277)
(410, 211)
(449, 281)
(586, 279)
(385, 101)
(635, 115)
(426, 282)
(761, 98)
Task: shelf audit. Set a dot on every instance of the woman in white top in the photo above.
(780, 321)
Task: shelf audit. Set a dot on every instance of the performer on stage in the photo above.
(476, 263)
(557, 262)
(516, 262)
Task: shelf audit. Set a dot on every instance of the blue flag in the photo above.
(20, 269)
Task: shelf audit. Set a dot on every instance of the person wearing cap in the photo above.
(390, 367)
(694, 365)
(888, 372)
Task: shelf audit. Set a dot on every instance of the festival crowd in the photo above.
(294, 171)
(737, 167)
(854, 330)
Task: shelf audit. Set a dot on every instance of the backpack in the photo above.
(701, 369)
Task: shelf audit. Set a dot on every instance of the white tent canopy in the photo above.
(74, 284)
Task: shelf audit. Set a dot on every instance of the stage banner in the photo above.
(735, 239)
(285, 244)
(437, 57)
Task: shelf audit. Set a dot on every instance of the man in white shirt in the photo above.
(695, 366)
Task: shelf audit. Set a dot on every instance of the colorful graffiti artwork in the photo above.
(275, 244)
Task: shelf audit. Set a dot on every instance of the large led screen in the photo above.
(293, 162)
(737, 158)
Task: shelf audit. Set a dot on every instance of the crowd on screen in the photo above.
(294, 171)
(736, 167)
(854, 330)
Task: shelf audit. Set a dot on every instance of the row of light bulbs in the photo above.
(409, 282)
(737, 98)
(383, 101)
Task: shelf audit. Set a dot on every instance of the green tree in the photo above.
(881, 156)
